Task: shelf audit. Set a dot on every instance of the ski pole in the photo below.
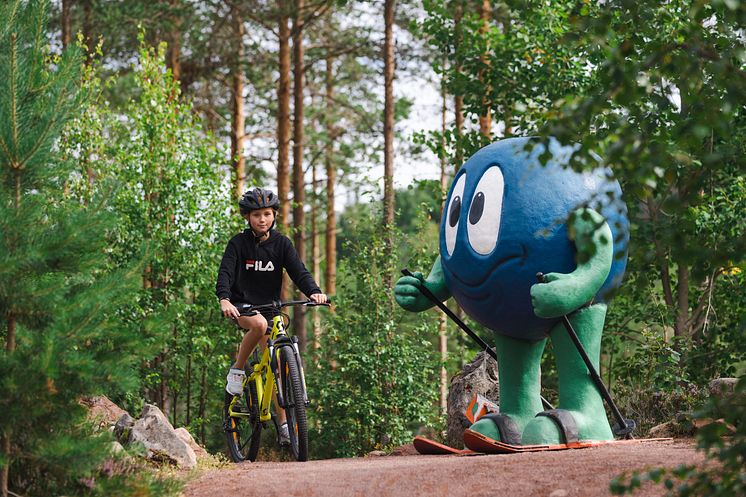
(427, 293)
(624, 426)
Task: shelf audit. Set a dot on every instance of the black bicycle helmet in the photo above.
(258, 198)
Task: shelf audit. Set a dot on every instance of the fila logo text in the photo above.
(259, 265)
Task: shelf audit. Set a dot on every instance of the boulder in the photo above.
(663, 430)
(478, 377)
(102, 410)
(155, 432)
(122, 428)
(404, 450)
(184, 434)
(722, 387)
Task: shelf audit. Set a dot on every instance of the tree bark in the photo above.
(442, 319)
(67, 36)
(331, 179)
(660, 253)
(485, 120)
(189, 389)
(283, 129)
(202, 402)
(315, 254)
(88, 27)
(5, 473)
(508, 114)
(388, 131)
(238, 121)
(682, 301)
(299, 186)
(173, 56)
(10, 338)
(458, 100)
(283, 118)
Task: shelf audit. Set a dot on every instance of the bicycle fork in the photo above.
(282, 343)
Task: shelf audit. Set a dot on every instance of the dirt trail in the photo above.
(580, 472)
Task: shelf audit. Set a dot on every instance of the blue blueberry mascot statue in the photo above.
(509, 216)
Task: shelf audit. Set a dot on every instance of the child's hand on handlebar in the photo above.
(319, 298)
(229, 310)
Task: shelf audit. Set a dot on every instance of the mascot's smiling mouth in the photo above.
(474, 285)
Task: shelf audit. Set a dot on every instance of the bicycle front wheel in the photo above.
(295, 406)
(243, 429)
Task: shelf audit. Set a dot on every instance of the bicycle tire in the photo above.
(243, 434)
(295, 405)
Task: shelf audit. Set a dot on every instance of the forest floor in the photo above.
(569, 473)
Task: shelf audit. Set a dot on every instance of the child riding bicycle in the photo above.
(251, 273)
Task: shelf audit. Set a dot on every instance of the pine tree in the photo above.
(58, 299)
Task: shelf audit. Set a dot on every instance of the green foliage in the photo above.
(373, 381)
(665, 112)
(516, 66)
(60, 301)
(655, 375)
(38, 94)
(725, 451)
(169, 199)
(421, 200)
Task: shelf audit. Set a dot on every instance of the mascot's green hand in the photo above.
(408, 295)
(549, 298)
(561, 294)
(407, 290)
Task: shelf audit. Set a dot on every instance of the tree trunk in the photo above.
(66, 27)
(283, 118)
(189, 389)
(174, 408)
(202, 403)
(681, 328)
(163, 390)
(443, 349)
(173, 56)
(88, 27)
(458, 100)
(5, 472)
(10, 346)
(299, 186)
(283, 130)
(388, 132)
(238, 121)
(442, 319)
(10, 338)
(508, 114)
(485, 120)
(315, 253)
(331, 180)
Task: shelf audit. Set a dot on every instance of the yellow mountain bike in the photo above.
(280, 370)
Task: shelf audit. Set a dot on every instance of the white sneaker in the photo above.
(284, 434)
(235, 381)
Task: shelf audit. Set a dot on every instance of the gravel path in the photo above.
(580, 472)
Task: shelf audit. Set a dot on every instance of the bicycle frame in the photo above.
(264, 374)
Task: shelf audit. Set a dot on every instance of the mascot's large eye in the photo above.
(454, 213)
(485, 211)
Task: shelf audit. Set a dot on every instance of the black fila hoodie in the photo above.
(251, 271)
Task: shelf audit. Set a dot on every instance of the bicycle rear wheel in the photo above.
(243, 433)
(295, 406)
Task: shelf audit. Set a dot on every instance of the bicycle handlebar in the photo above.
(245, 309)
